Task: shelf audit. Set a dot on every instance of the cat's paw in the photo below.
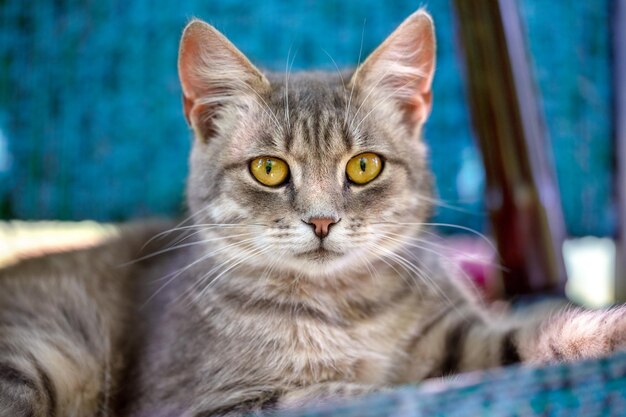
(324, 393)
(579, 334)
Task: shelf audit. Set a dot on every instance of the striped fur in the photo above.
(239, 309)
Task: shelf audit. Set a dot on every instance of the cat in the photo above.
(303, 274)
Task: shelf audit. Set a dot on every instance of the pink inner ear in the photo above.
(191, 59)
(402, 68)
(208, 66)
(194, 87)
(422, 106)
(416, 100)
(187, 63)
(192, 84)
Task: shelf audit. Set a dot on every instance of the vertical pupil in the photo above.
(268, 167)
(363, 164)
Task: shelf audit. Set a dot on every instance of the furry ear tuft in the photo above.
(402, 68)
(213, 72)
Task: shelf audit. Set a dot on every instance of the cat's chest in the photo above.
(321, 352)
(299, 343)
(305, 351)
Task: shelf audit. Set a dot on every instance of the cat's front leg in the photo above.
(321, 393)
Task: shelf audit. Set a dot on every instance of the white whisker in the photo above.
(173, 275)
(381, 102)
(338, 72)
(444, 204)
(453, 226)
(250, 256)
(410, 267)
(371, 90)
(287, 75)
(265, 106)
(189, 218)
(444, 250)
(185, 245)
(383, 256)
(355, 75)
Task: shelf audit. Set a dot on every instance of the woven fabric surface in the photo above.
(90, 116)
(594, 388)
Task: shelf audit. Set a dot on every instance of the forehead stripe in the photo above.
(348, 140)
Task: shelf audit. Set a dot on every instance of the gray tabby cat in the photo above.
(303, 274)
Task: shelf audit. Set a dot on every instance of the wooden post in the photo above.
(522, 195)
(619, 89)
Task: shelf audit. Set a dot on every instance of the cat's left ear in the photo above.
(213, 73)
(402, 68)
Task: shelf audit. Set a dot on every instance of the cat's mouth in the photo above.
(319, 254)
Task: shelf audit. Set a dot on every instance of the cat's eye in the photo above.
(269, 171)
(364, 168)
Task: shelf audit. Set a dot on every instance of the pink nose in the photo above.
(321, 225)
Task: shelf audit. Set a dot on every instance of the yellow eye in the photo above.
(364, 168)
(269, 171)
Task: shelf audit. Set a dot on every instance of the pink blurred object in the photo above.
(478, 261)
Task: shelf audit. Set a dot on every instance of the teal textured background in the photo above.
(592, 388)
(90, 119)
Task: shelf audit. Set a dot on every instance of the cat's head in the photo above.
(323, 171)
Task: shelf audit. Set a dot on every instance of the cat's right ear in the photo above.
(401, 69)
(213, 73)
